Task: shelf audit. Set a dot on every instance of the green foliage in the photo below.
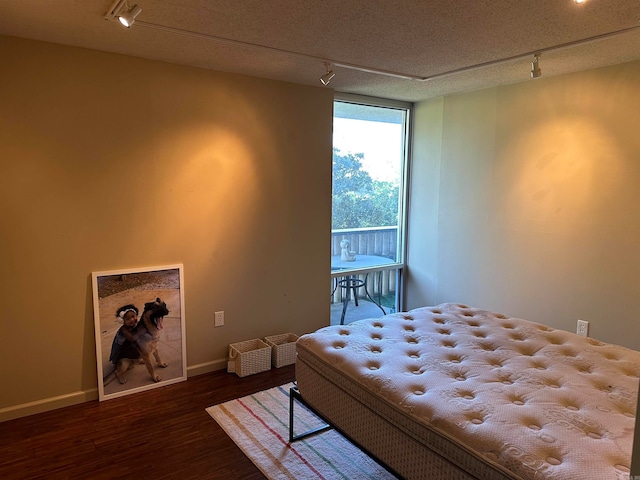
(358, 200)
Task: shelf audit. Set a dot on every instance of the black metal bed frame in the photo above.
(295, 395)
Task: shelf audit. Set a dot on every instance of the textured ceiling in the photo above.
(420, 38)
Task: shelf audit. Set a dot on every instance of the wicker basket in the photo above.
(283, 349)
(249, 357)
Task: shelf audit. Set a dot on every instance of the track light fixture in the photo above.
(129, 17)
(123, 12)
(327, 77)
(535, 67)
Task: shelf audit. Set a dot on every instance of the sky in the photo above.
(381, 144)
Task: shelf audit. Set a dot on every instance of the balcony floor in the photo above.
(365, 309)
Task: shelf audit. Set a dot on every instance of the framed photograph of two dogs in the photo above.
(139, 328)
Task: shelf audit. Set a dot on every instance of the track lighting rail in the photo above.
(119, 5)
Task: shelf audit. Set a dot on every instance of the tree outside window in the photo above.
(360, 201)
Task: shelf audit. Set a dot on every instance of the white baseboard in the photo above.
(46, 404)
(53, 403)
(207, 367)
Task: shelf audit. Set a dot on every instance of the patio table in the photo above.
(345, 275)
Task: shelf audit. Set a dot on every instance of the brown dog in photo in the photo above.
(148, 334)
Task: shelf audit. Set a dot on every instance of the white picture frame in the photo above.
(127, 292)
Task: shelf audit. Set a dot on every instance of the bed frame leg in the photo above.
(294, 394)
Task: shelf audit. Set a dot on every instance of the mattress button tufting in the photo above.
(547, 438)
(525, 371)
(622, 468)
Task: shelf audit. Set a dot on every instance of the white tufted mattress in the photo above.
(452, 392)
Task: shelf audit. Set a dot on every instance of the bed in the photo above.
(454, 392)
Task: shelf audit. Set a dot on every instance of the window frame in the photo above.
(400, 264)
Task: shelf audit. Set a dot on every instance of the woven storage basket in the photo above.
(283, 349)
(249, 357)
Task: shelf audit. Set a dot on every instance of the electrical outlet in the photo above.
(218, 319)
(583, 328)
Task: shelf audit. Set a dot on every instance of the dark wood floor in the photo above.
(163, 433)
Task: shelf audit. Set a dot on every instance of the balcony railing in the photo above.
(380, 241)
(377, 241)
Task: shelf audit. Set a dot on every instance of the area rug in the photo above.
(259, 425)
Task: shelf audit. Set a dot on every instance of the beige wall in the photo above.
(111, 162)
(421, 277)
(533, 210)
